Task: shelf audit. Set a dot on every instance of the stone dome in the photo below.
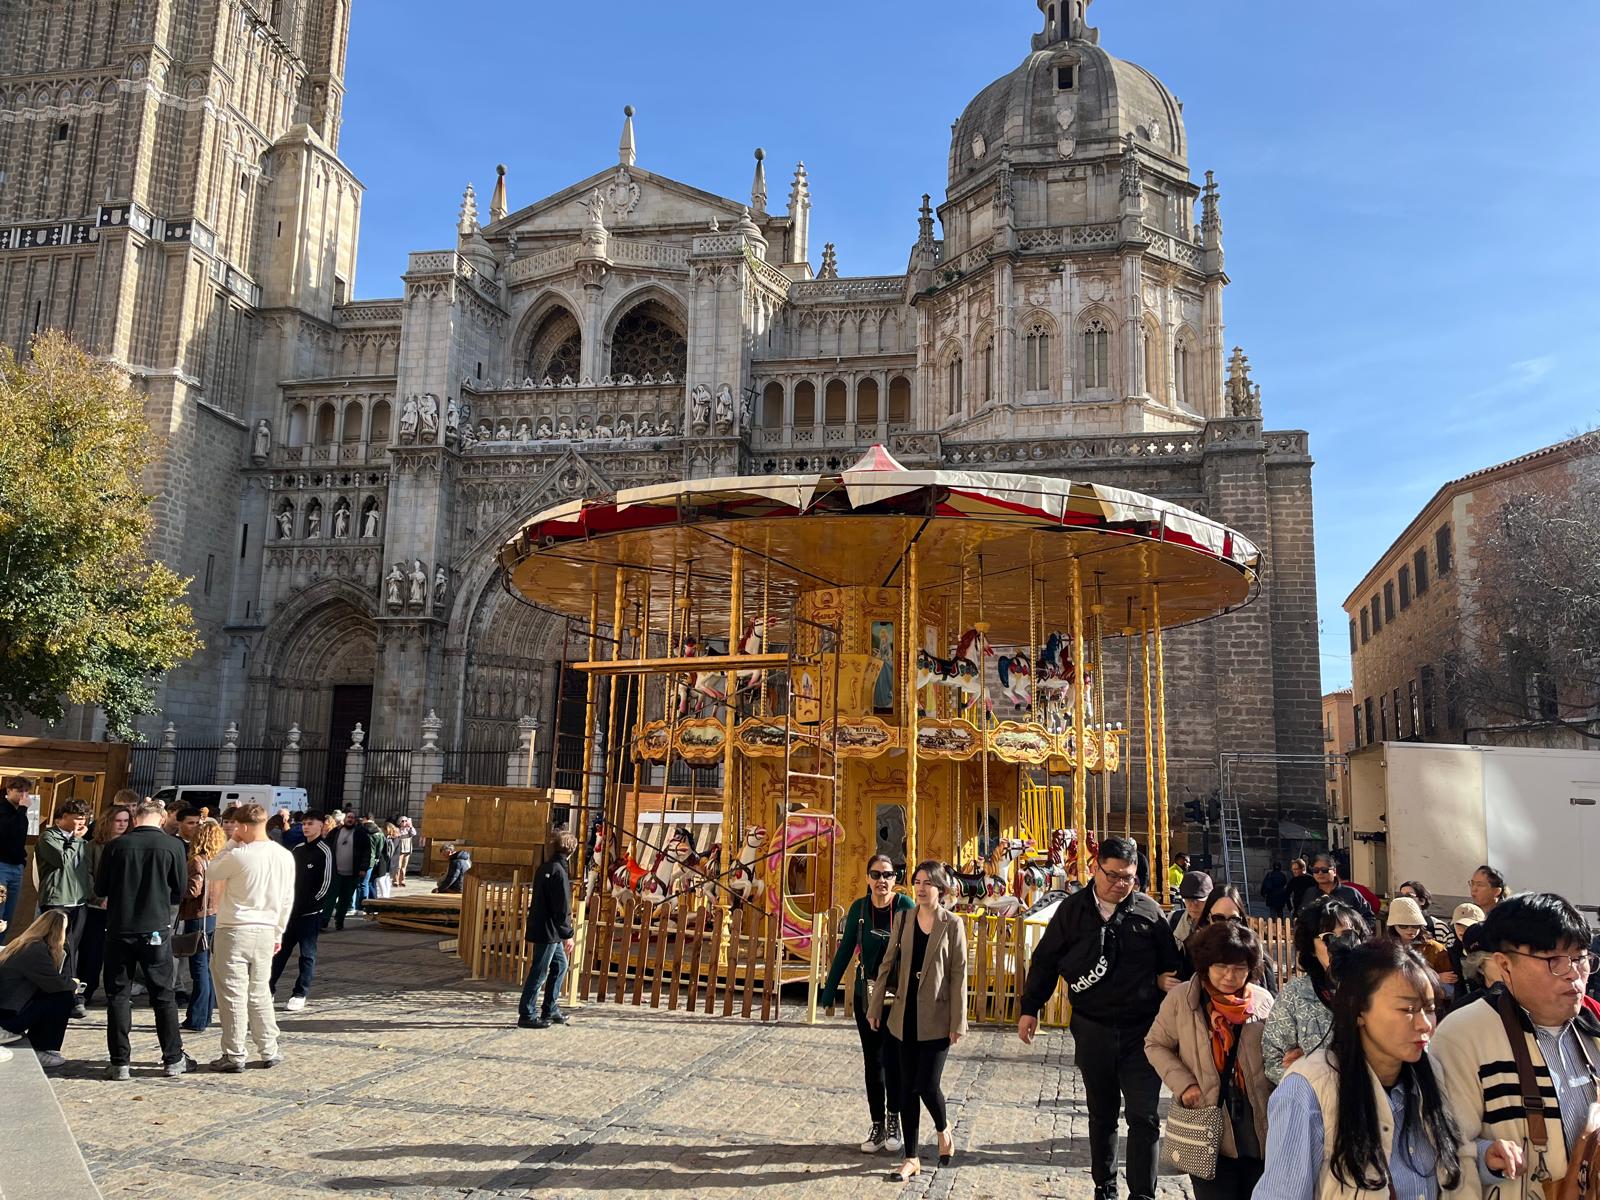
(1067, 101)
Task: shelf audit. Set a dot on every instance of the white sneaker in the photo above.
(5, 1055)
(875, 1139)
(50, 1060)
(296, 1003)
(7, 1037)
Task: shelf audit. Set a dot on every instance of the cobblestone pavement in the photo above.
(403, 1079)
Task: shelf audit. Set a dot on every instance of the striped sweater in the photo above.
(1480, 1080)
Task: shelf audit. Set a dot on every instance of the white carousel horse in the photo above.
(742, 878)
(960, 670)
(657, 886)
(1016, 680)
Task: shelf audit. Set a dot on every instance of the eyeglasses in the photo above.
(1323, 871)
(1219, 919)
(1562, 965)
(1120, 876)
(881, 874)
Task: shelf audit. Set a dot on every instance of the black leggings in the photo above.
(921, 1069)
(880, 1058)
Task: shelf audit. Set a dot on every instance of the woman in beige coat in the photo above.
(1215, 1018)
(923, 984)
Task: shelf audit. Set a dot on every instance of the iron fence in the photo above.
(142, 769)
(259, 764)
(475, 766)
(386, 782)
(322, 776)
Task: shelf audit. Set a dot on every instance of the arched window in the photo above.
(836, 403)
(556, 348)
(772, 406)
(867, 402)
(899, 399)
(986, 368)
(379, 435)
(354, 414)
(1095, 372)
(1182, 381)
(648, 341)
(326, 417)
(953, 385)
(1036, 357)
(297, 425)
(1152, 361)
(805, 403)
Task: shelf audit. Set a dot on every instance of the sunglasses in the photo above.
(881, 874)
(1323, 871)
(1219, 919)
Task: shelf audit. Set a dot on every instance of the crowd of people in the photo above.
(202, 914)
(1407, 1056)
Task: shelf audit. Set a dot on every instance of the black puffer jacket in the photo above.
(1136, 947)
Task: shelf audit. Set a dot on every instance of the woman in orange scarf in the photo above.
(1214, 1020)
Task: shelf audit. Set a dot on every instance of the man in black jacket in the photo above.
(352, 862)
(143, 878)
(13, 845)
(550, 934)
(313, 881)
(1112, 946)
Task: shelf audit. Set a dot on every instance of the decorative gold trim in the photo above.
(653, 741)
(861, 737)
(948, 737)
(1017, 742)
(701, 741)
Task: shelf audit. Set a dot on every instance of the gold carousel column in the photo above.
(585, 794)
(731, 837)
(1080, 773)
(908, 690)
(1161, 731)
(1158, 871)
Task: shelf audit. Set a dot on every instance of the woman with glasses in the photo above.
(1366, 1115)
(1302, 1019)
(925, 966)
(1225, 905)
(1438, 930)
(866, 930)
(1206, 1044)
(1406, 925)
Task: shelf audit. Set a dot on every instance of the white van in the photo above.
(221, 796)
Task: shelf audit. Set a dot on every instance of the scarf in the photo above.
(1227, 1014)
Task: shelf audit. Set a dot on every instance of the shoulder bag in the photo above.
(1194, 1135)
(187, 945)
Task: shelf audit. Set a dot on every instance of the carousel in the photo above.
(786, 674)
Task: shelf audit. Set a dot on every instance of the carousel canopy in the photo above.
(1008, 535)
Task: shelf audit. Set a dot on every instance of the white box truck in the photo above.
(1435, 812)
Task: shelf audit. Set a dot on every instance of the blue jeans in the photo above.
(202, 995)
(302, 935)
(363, 889)
(545, 973)
(11, 877)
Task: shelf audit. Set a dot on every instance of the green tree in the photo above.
(85, 616)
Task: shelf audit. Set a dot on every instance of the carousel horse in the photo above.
(657, 886)
(701, 875)
(1015, 679)
(754, 641)
(960, 670)
(592, 852)
(742, 878)
(1055, 671)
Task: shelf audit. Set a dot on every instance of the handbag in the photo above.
(187, 945)
(1194, 1135)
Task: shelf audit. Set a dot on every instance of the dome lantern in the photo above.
(1065, 21)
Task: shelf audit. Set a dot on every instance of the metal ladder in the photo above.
(1234, 867)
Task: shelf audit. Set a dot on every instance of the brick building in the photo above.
(339, 474)
(1338, 737)
(1407, 614)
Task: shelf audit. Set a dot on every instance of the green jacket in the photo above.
(63, 869)
(856, 932)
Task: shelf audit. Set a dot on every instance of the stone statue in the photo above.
(700, 406)
(419, 585)
(724, 405)
(430, 418)
(341, 519)
(314, 520)
(624, 427)
(441, 585)
(393, 582)
(452, 420)
(564, 430)
(261, 441)
(502, 432)
(669, 427)
(286, 522)
(369, 520)
(602, 430)
(485, 434)
(747, 410)
(646, 426)
(544, 433)
(408, 420)
(524, 433)
(584, 431)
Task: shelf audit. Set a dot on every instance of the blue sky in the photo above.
(1408, 185)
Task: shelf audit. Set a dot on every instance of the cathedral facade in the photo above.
(337, 475)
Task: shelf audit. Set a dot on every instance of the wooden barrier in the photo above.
(1277, 945)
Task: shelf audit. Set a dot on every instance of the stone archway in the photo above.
(323, 640)
(508, 669)
(555, 348)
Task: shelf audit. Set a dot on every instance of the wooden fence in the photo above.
(727, 960)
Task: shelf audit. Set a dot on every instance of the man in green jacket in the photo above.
(867, 927)
(62, 857)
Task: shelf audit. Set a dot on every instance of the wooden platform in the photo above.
(422, 911)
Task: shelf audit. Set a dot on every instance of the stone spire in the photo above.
(830, 262)
(800, 216)
(497, 202)
(758, 186)
(1242, 395)
(467, 224)
(1211, 212)
(626, 151)
(925, 224)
